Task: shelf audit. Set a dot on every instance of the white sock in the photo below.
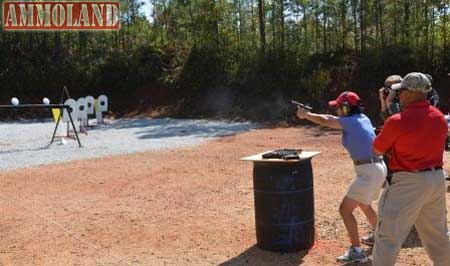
(358, 249)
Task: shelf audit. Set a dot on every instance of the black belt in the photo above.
(373, 160)
(419, 171)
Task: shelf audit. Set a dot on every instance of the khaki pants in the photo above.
(413, 199)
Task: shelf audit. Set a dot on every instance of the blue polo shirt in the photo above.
(357, 136)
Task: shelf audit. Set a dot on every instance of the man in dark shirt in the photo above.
(433, 95)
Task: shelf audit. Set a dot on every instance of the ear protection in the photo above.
(345, 106)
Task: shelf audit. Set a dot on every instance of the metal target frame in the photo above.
(61, 107)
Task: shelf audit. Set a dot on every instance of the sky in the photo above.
(147, 9)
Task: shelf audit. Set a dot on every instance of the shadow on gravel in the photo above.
(167, 127)
(369, 263)
(192, 131)
(257, 256)
(24, 150)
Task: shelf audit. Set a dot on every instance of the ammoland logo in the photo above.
(61, 15)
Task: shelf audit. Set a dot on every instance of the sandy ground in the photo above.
(190, 206)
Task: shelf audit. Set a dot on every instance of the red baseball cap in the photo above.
(347, 96)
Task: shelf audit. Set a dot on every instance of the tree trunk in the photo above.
(355, 22)
(238, 23)
(262, 28)
(282, 30)
(426, 30)
(305, 26)
(316, 25)
(343, 16)
(444, 26)
(298, 28)
(241, 23)
(325, 18)
(215, 24)
(432, 35)
(362, 25)
(406, 28)
(252, 25)
(192, 24)
(394, 35)
(380, 15)
(377, 22)
(417, 24)
(273, 26)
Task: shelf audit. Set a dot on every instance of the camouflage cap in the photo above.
(414, 81)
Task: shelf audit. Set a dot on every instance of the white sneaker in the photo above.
(353, 256)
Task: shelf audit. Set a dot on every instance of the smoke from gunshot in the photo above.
(219, 101)
(273, 108)
(279, 108)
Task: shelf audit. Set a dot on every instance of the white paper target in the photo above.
(73, 108)
(103, 103)
(82, 111)
(102, 106)
(90, 105)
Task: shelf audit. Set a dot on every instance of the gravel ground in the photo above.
(25, 143)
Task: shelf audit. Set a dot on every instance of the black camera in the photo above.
(386, 91)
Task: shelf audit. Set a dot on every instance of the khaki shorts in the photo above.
(367, 185)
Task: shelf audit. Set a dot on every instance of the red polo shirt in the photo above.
(415, 138)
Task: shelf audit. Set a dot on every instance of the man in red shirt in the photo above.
(414, 139)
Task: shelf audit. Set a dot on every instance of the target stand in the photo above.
(61, 107)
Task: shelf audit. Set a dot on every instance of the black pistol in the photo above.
(301, 105)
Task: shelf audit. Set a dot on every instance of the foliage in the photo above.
(234, 57)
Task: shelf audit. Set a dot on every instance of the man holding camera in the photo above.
(389, 103)
(415, 137)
